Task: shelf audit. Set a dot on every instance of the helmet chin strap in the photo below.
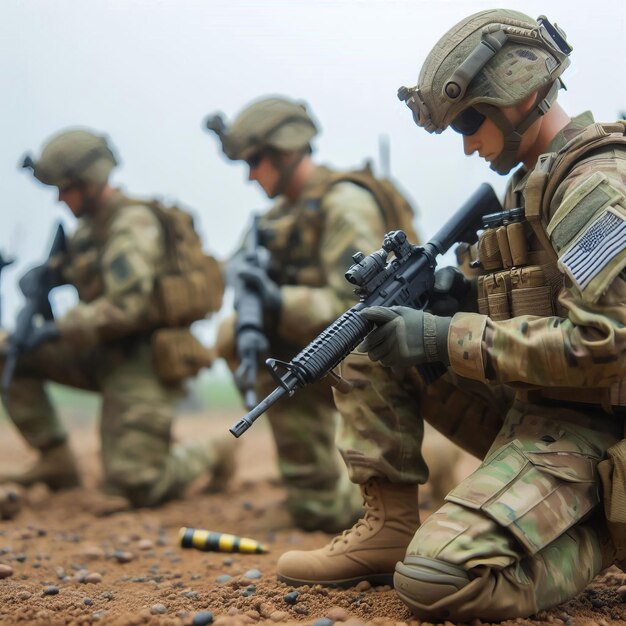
(508, 157)
(285, 171)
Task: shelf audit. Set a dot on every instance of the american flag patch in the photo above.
(594, 249)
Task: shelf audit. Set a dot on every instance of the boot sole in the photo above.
(374, 579)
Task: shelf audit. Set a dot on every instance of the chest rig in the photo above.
(83, 262)
(519, 276)
(292, 232)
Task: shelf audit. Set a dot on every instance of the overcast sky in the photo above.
(148, 72)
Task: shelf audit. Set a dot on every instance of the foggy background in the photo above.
(148, 72)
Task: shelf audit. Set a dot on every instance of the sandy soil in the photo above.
(68, 566)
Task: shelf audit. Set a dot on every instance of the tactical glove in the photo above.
(452, 292)
(257, 279)
(406, 337)
(47, 331)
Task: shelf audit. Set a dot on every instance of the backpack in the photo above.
(191, 286)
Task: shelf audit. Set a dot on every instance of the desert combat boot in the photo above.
(367, 551)
(56, 467)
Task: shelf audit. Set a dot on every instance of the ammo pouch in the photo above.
(613, 477)
(177, 354)
(515, 292)
(503, 247)
(186, 297)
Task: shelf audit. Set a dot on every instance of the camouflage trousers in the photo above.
(137, 410)
(525, 525)
(319, 494)
(382, 419)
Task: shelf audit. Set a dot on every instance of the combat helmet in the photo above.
(275, 123)
(73, 156)
(494, 58)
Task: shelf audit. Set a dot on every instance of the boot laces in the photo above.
(371, 506)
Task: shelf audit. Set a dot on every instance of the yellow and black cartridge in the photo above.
(211, 541)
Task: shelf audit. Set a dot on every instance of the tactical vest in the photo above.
(293, 236)
(521, 274)
(188, 284)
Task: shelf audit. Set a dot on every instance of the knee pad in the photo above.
(424, 581)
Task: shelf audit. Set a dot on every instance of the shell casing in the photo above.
(211, 541)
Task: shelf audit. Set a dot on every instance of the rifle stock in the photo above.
(406, 280)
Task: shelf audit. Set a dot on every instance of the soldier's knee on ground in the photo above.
(420, 580)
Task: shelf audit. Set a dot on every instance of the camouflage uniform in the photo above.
(524, 532)
(311, 241)
(311, 244)
(113, 259)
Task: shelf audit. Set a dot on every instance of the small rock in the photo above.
(252, 614)
(337, 614)
(224, 578)
(192, 595)
(279, 616)
(233, 611)
(87, 601)
(122, 556)
(5, 571)
(20, 558)
(291, 597)
(51, 590)
(145, 544)
(25, 595)
(302, 610)
(621, 591)
(93, 553)
(323, 621)
(253, 574)
(364, 585)
(93, 578)
(266, 609)
(228, 561)
(202, 618)
(158, 609)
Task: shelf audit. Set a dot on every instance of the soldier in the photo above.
(125, 338)
(525, 531)
(320, 219)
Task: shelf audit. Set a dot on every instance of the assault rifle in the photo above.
(405, 280)
(250, 339)
(36, 285)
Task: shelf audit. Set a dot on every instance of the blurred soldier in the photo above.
(320, 219)
(525, 531)
(128, 338)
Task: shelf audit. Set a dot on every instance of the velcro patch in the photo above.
(595, 249)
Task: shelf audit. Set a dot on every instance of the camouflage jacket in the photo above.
(585, 347)
(311, 243)
(112, 259)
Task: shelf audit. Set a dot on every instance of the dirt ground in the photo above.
(60, 564)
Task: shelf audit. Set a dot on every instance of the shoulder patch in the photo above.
(597, 254)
